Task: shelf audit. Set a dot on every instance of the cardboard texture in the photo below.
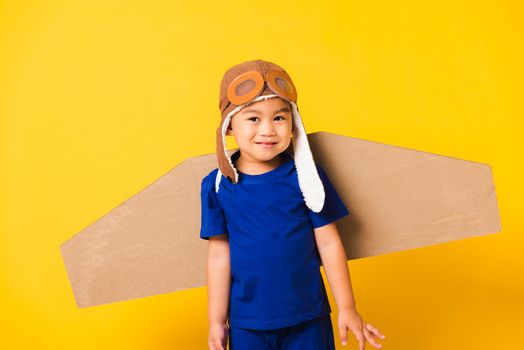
(398, 199)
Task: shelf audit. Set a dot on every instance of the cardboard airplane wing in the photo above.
(398, 199)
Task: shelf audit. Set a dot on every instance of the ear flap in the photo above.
(309, 180)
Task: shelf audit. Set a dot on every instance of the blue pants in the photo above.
(315, 334)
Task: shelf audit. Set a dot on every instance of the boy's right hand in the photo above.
(218, 335)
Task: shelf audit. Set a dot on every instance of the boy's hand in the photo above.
(218, 335)
(350, 318)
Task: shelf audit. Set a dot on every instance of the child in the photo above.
(269, 214)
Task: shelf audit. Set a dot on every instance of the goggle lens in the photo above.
(281, 84)
(245, 87)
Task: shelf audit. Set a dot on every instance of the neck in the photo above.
(253, 167)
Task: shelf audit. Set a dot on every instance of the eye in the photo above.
(251, 118)
(279, 116)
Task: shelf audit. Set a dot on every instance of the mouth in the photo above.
(266, 144)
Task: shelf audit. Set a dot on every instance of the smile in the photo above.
(266, 144)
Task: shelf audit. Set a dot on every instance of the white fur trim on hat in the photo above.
(308, 177)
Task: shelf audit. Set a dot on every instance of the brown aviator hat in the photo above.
(253, 81)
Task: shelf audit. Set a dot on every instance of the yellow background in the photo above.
(100, 98)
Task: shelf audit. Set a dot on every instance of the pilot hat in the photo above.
(256, 80)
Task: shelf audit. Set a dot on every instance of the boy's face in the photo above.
(266, 121)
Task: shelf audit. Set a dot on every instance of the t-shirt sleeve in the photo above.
(334, 207)
(212, 216)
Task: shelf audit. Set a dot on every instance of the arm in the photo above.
(218, 279)
(333, 256)
(218, 287)
(334, 259)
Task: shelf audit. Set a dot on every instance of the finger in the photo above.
(343, 331)
(375, 331)
(370, 338)
(360, 338)
(214, 346)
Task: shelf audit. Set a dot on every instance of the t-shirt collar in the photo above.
(278, 171)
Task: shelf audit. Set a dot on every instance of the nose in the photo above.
(267, 128)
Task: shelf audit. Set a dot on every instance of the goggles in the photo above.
(250, 84)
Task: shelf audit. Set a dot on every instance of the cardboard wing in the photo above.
(398, 199)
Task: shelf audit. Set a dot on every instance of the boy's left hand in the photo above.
(351, 319)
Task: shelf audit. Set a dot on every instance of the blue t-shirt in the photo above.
(275, 265)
